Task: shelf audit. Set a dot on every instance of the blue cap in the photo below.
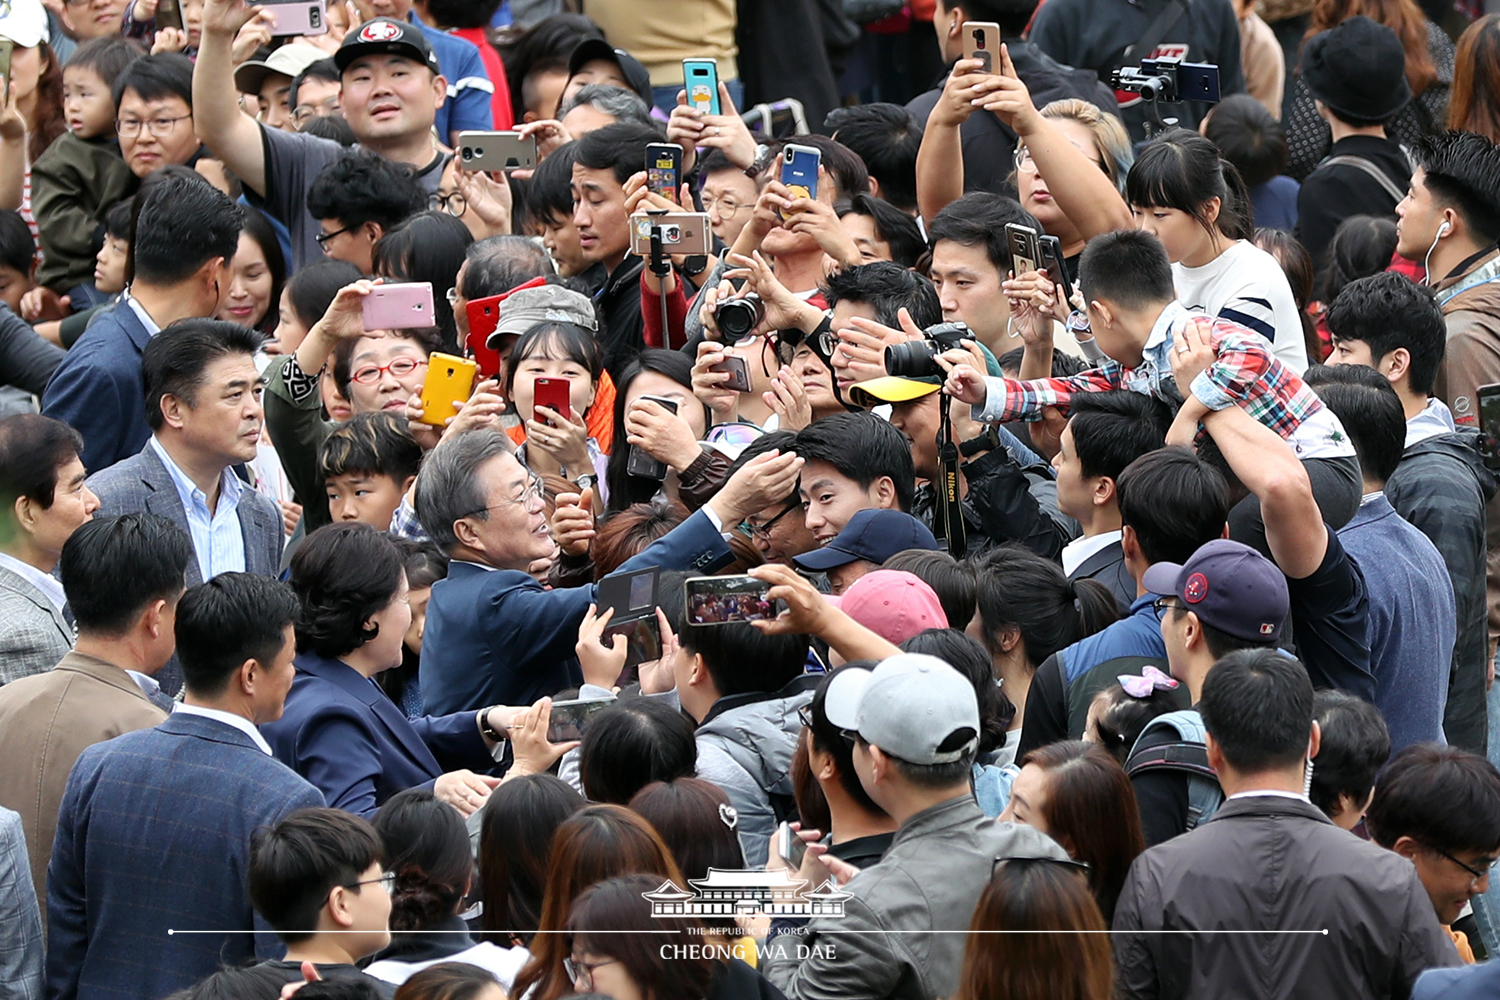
(871, 535)
(1229, 586)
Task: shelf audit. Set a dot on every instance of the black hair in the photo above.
(180, 223)
(1063, 364)
(253, 982)
(978, 219)
(175, 361)
(106, 57)
(448, 980)
(370, 443)
(1370, 411)
(332, 127)
(463, 13)
(297, 862)
(556, 337)
(1128, 267)
(17, 247)
(324, 69)
(313, 288)
(620, 147)
(113, 568)
(1220, 644)
(544, 46)
(429, 246)
(1121, 724)
(631, 744)
(33, 448)
(1174, 501)
(1361, 246)
(1114, 428)
(1257, 704)
(360, 187)
(259, 229)
(500, 263)
(1181, 169)
(779, 441)
(862, 447)
(117, 220)
(1018, 589)
(1249, 137)
(740, 658)
(1387, 311)
(968, 656)
(344, 988)
(886, 137)
(427, 846)
(230, 619)
(952, 581)
(155, 77)
(842, 164)
(427, 338)
(1462, 170)
(936, 776)
(1353, 748)
(515, 835)
(899, 230)
(828, 738)
(1012, 15)
(343, 575)
(1442, 797)
(886, 287)
(625, 489)
(549, 196)
(1297, 264)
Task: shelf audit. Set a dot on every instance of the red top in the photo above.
(500, 107)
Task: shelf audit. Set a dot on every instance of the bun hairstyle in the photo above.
(427, 846)
(1183, 170)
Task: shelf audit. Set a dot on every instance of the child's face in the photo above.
(13, 285)
(542, 365)
(109, 265)
(192, 20)
(87, 105)
(366, 497)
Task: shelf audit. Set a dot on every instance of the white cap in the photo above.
(24, 22)
(908, 706)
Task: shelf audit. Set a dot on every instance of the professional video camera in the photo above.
(1169, 79)
(918, 358)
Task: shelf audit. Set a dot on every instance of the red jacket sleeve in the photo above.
(677, 307)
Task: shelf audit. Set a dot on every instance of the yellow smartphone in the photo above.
(449, 382)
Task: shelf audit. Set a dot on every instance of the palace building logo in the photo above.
(726, 892)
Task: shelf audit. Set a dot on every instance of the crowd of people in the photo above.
(1041, 550)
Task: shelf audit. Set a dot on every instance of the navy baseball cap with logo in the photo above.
(386, 36)
(1230, 587)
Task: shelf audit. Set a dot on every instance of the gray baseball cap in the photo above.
(908, 706)
(527, 307)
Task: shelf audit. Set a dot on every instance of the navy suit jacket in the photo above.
(496, 637)
(343, 734)
(154, 835)
(100, 391)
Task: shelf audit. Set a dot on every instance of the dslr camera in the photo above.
(918, 358)
(737, 318)
(1170, 80)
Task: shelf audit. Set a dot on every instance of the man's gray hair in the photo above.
(499, 263)
(448, 485)
(621, 105)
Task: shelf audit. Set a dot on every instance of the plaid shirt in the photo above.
(1244, 373)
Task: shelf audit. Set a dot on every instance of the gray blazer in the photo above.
(142, 482)
(33, 634)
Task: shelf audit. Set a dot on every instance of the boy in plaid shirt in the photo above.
(1153, 345)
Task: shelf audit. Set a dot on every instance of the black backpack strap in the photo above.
(1180, 756)
(1164, 22)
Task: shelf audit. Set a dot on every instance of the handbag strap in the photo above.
(1164, 22)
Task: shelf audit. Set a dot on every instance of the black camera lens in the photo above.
(738, 318)
(913, 359)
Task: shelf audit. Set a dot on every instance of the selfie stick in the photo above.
(661, 267)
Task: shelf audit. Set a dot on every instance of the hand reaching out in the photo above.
(602, 664)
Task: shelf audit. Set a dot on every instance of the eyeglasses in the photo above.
(582, 973)
(1025, 164)
(1082, 866)
(159, 126)
(804, 716)
(399, 368)
(1164, 604)
(722, 208)
(387, 882)
(531, 494)
(454, 204)
(304, 113)
(763, 531)
(323, 238)
(1478, 874)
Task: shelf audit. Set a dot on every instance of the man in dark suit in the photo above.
(203, 405)
(153, 835)
(493, 634)
(185, 235)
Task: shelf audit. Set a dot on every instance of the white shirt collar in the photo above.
(1435, 419)
(1274, 792)
(140, 311)
(239, 722)
(145, 682)
(230, 486)
(1084, 547)
(45, 582)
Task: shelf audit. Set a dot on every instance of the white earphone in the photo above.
(1443, 230)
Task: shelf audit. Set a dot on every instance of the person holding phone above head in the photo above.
(339, 730)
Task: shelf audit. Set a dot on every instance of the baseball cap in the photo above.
(630, 67)
(891, 389)
(25, 23)
(526, 307)
(872, 535)
(386, 36)
(893, 604)
(909, 706)
(289, 60)
(1230, 587)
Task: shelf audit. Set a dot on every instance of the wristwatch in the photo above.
(486, 730)
(1077, 322)
(761, 161)
(694, 264)
(989, 440)
(586, 481)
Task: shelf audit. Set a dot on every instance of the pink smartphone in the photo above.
(401, 306)
(298, 17)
